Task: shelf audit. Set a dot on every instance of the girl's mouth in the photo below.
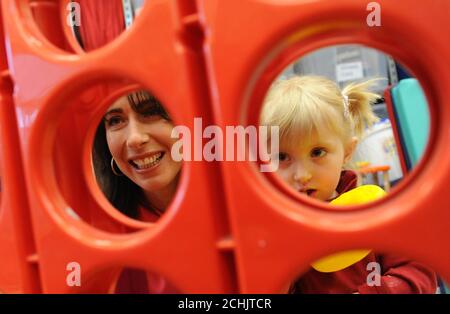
(309, 192)
(147, 162)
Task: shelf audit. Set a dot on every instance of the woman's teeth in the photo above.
(147, 162)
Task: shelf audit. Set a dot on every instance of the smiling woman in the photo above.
(132, 159)
(135, 171)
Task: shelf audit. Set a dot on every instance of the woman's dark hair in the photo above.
(123, 193)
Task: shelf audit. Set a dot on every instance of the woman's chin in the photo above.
(157, 183)
(154, 186)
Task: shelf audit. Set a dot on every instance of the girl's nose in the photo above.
(302, 174)
(137, 136)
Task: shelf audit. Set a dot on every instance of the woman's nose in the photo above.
(302, 174)
(137, 136)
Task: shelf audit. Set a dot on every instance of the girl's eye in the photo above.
(318, 152)
(283, 156)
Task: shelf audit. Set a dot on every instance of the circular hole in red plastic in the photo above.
(83, 25)
(352, 124)
(119, 280)
(138, 281)
(121, 120)
(365, 271)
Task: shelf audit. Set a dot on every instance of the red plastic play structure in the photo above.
(229, 229)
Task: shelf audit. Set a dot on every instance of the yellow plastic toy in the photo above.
(334, 262)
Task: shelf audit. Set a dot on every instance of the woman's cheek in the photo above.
(165, 135)
(112, 144)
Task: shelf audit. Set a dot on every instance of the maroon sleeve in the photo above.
(347, 181)
(400, 275)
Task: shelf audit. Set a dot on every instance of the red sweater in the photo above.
(398, 274)
(136, 281)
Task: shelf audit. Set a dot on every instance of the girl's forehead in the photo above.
(316, 137)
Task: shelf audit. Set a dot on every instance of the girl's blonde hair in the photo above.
(303, 104)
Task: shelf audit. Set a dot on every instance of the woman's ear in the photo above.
(350, 149)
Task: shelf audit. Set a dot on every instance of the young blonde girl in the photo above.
(319, 127)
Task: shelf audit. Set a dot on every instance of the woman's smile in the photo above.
(146, 162)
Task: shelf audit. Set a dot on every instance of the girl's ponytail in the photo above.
(360, 105)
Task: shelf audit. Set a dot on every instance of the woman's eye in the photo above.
(114, 121)
(318, 152)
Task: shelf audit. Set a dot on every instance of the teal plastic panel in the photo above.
(413, 117)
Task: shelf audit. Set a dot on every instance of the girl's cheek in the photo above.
(285, 174)
(283, 167)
